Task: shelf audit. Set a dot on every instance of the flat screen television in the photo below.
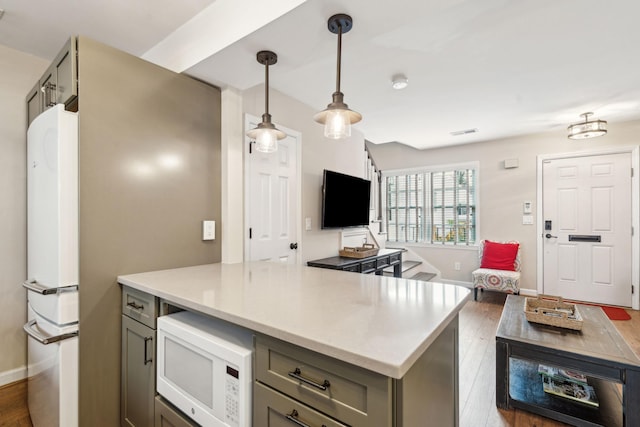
(345, 200)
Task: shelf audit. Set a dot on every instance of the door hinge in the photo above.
(250, 147)
(632, 230)
(633, 290)
(250, 232)
(631, 172)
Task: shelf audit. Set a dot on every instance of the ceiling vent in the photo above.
(463, 132)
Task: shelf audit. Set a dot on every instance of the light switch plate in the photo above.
(208, 230)
(307, 224)
(527, 219)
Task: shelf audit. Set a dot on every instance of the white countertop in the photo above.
(380, 323)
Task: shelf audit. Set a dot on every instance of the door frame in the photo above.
(250, 122)
(635, 212)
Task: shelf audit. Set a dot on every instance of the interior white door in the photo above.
(273, 202)
(588, 229)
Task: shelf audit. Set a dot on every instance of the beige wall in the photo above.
(501, 191)
(19, 73)
(318, 153)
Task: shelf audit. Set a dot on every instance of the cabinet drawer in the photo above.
(352, 394)
(382, 262)
(394, 259)
(354, 268)
(140, 306)
(166, 415)
(368, 266)
(273, 409)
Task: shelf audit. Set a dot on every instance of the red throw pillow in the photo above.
(499, 256)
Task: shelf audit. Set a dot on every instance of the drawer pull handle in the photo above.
(297, 374)
(135, 306)
(293, 417)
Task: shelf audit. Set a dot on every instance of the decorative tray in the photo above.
(363, 251)
(552, 310)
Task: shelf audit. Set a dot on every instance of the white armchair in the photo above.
(504, 275)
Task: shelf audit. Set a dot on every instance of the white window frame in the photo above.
(475, 165)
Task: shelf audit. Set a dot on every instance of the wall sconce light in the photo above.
(266, 135)
(337, 118)
(587, 129)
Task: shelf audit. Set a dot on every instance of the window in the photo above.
(432, 206)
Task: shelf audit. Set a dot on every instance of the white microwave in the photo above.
(205, 368)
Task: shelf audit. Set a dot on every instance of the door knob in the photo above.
(549, 236)
(293, 246)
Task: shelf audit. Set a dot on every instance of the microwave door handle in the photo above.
(45, 339)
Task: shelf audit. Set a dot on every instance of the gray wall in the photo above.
(501, 191)
(19, 73)
(137, 214)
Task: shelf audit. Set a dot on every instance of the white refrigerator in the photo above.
(52, 268)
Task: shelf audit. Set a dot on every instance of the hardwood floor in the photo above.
(478, 324)
(13, 405)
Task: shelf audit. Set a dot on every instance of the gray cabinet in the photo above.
(296, 386)
(58, 84)
(167, 415)
(138, 383)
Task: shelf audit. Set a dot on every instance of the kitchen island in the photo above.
(404, 331)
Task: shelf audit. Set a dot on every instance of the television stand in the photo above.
(372, 264)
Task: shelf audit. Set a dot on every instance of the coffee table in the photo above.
(597, 350)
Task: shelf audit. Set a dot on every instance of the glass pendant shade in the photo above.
(587, 129)
(266, 135)
(337, 118)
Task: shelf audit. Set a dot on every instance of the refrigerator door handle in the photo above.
(34, 286)
(45, 339)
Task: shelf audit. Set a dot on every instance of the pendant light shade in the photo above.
(588, 128)
(337, 117)
(266, 135)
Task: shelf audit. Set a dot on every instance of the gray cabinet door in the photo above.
(66, 66)
(168, 416)
(138, 374)
(34, 103)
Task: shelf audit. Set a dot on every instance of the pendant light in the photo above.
(588, 128)
(338, 118)
(266, 135)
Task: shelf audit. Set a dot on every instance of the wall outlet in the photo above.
(208, 230)
(456, 266)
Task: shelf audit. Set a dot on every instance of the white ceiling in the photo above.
(504, 67)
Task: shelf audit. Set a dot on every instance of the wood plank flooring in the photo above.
(13, 405)
(478, 325)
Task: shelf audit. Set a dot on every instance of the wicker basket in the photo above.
(363, 251)
(552, 310)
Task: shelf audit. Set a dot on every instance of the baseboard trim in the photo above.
(13, 375)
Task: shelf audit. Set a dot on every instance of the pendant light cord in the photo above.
(266, 88)
(339, 58)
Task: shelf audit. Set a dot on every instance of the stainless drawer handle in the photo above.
(297, 374)
(293, 417)
(45, 339)
(135, 306)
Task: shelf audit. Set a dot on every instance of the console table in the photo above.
(598, 351)
(373, 264)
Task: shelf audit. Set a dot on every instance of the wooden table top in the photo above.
(598, 339)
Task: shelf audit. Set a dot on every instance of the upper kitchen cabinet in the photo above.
(59, 83)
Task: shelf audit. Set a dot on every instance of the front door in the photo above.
(273, 201)
(587, 228)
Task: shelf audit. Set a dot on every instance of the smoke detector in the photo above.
(399, 81)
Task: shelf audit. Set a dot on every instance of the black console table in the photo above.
(373, 264)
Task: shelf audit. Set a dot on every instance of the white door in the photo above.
(587, 228)
(273, 201)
